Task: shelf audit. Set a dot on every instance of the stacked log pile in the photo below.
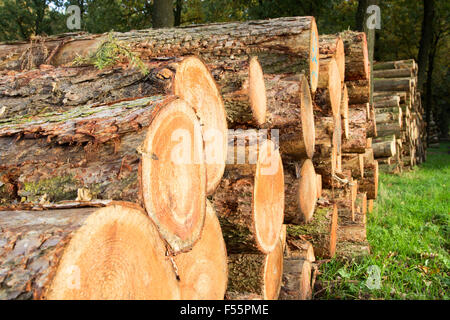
(243, 152)
(401, 141)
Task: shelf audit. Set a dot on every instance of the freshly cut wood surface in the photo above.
(84, 254)
(173, 175)
(203, 271)
(332, 46)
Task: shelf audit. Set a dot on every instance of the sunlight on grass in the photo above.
(409, 236)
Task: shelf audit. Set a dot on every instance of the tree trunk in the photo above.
(332, 46)
(250, 199)
(255, 274)
(328, 95)
(355, 163)
(84, 254)
(425, 41)
(356, 143)
(203, 272)
(402, 84)
(162, 14)
(394, 73)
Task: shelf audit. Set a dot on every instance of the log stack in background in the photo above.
(236, 214)
(401, 128)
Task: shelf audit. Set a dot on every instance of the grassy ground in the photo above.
(409, 235)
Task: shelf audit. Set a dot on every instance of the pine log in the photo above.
(84, 254)
(299, 248)
(95, 149)
(356, 56)
(250, 199)
(290, 111)
(350, 229)
(203, 271)
(390, 101)
(290, 42)
(393, 73)
(389, 128)
(369, 183)
(355, 163)
(358, 91)
(384, 149)
(329, 91)
(356, 143)
(300, 182)
(296, 280)
(256, 274)
(400, 64)
(321, 231)
(332, 46)
(401, 84)
(389, 117)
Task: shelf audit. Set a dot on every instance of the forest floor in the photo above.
(409, 236)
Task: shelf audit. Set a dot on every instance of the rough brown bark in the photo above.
(84, 254)
(356, 143)
(355, 163)
(402, 84)
(358, 91)
(282, 45)
(369, 183)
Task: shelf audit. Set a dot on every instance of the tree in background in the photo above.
(163, 14)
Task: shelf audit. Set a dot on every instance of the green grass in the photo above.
(409, 235)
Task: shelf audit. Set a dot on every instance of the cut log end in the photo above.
(333, 231)
(257, 92)
(173, 175)
(203, 272)
(344, 112)
(307, 117)
(116, 254)
(314, 56)
(195, 84)
(307, 190)
(340, 58)
(334, 87)
(268, 200)
(273, 271)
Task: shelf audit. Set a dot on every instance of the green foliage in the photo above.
(109, 53)
(409, 234)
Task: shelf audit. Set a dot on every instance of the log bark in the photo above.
(392, 101)
(349, 229)
(290, 42)
(332, 46)
(290, 111)
(402, 84)
(84, 254)
(321, 231)
(255, 274)
(400, 64)
(393, 73)
(203, 271)
(300, 182)
(296, 280)
(356, 56)
(250, 199)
